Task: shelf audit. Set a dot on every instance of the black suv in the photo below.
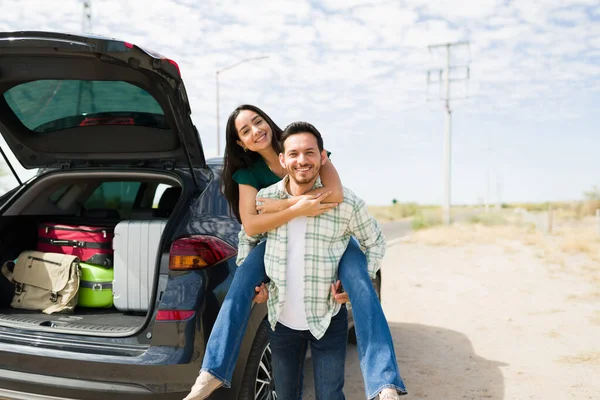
(109, 125)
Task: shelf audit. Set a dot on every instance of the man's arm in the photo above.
(369, 235)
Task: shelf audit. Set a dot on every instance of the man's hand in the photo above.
(311, 205)
(338, 293)
(262, 294)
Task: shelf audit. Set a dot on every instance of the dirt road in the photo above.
(489, 321)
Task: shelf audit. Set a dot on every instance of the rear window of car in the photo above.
(118, 196)
(51, 105)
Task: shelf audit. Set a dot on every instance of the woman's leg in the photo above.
(375, 346)
(225, 339)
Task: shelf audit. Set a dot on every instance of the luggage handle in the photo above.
(47, 229)
(73, 243)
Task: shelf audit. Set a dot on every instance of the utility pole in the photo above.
(445, 79)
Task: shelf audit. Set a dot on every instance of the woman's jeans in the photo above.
(289, 346)
(375, 346)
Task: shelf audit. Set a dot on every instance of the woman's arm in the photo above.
(255, 223)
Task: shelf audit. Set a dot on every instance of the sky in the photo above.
(525, 125)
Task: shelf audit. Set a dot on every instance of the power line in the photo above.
(444, 81)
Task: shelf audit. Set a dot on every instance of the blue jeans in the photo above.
(289, 346)
(374, 339)
(375, 345)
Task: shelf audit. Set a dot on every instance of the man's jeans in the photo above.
(288, 349)
(375, 346)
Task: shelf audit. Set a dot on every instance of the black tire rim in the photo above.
(264, 388)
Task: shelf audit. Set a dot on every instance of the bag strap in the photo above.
(74, 292)
(6, 272)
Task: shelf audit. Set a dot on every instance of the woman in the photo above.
(252, 163)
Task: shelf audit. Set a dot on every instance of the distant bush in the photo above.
(575, 209)
(488, 219)
(403, 210)
(423, 220)
(395, 211)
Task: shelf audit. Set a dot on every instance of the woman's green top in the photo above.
(258, 175)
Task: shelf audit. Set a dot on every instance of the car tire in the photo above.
(377, 286)
(258, 382)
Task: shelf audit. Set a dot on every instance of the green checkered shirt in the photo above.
(327, 237)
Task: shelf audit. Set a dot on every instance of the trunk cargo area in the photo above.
(67, 192)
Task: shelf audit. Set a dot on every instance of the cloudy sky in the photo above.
(529, 127)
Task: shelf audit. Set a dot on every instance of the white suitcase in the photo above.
(135, 262)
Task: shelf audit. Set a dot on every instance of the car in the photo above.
(108, 126)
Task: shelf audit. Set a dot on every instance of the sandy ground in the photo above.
(496, 318)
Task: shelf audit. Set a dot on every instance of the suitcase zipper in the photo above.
(64, 228)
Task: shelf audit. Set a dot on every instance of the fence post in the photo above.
(598, 221)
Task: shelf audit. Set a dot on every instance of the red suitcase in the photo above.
(92, 244)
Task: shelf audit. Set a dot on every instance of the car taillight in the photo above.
(174, 315)
(197, 252)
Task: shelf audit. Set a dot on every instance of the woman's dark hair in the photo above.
(236, 158)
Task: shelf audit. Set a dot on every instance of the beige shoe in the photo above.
(389, 394)
(205, 384)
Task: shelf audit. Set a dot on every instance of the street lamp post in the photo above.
(217, 81)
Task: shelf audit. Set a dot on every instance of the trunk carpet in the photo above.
(88, 320)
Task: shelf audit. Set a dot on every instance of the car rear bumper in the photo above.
(26, 386)
(23, 386)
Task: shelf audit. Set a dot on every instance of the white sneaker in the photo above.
(205, 384)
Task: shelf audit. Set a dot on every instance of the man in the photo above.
(301, 259)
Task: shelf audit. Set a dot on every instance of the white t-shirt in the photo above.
(292, 313)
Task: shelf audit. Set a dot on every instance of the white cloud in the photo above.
(459, 10)
(432, 32)
(354, 67)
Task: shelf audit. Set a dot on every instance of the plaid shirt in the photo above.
(327, 237)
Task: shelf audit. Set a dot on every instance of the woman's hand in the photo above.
(338, 293)
(270, 205)
(311, 205)
(262, 294)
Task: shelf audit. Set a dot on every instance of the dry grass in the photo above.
(396, 212)
(461, 235)
(574, 245)
(583, 358)
(595, 319)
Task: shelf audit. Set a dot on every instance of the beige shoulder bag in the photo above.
(44, 281)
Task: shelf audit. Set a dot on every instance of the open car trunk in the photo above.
(90, 198)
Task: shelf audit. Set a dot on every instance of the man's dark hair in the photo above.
(301, 127)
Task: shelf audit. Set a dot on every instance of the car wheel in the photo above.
(377, 287)
(258, 382)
